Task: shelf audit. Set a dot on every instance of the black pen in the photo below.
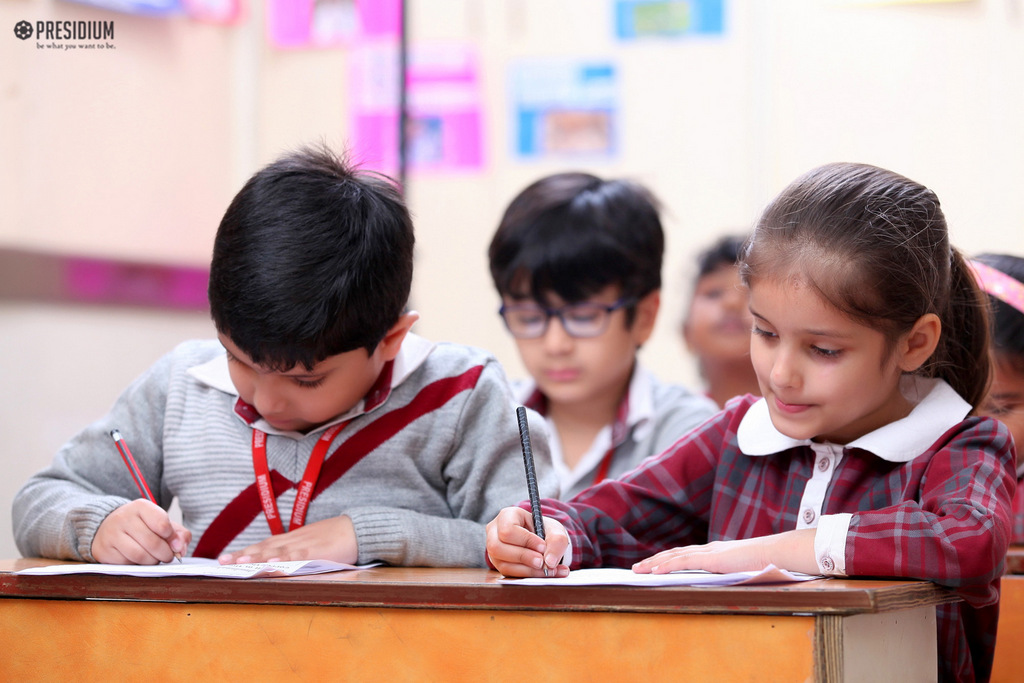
(133, 469)
(531, 476)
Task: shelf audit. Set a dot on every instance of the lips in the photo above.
(790, 408)
(566, 375)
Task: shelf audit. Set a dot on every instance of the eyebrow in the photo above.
(807, 330)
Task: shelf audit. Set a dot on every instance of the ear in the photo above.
(392, 342)
(646, 316)
(918, 345)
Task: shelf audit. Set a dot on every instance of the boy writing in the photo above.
(577, 262)
(317, 425)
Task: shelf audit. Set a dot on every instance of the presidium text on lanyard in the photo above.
(267, 498)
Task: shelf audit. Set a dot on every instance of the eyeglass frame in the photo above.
(549, 313)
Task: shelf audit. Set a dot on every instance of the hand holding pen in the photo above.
(139, 532)
(518, 541)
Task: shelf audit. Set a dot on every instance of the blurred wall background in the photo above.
(133, 153)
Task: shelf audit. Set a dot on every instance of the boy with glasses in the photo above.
(577, 262)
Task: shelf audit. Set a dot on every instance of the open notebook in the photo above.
(686, 577)
(194, 566)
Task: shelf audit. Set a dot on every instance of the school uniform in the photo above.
(938, 481)
(422, 463)
(650, 418)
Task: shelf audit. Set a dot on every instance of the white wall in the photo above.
(136, 152)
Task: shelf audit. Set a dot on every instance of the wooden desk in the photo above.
(395, 624)
(1008, 665)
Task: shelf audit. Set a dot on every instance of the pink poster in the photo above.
(330, 23)
(444, 131)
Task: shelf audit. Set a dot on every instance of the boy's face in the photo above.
(298, 400)
(572, 370)
(1005, 401)
(718, 324)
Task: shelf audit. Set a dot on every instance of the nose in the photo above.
(265, 396)
(735, 299)
(785, 369)
(556, 339)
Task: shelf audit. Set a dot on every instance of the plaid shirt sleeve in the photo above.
(664, 503)
(951, 525)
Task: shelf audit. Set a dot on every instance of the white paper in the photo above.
(686, 577)
(194, 566)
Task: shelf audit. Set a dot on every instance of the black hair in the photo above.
(875, 245)
(312, 258)
(725, 251)
(1007, 321)
(573, 234)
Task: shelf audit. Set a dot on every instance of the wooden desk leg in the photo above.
(876, 647)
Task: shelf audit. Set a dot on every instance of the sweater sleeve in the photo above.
(57, 512)
(957, 533)
(483, 472)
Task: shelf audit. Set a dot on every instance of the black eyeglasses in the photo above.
(530, 321)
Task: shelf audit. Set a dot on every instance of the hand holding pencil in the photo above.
(521, 542)
(139, 532)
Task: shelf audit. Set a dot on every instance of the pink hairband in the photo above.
(1000, 285)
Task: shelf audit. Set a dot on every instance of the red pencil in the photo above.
(133, 469)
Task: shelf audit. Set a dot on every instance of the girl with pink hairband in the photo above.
(1001, 276)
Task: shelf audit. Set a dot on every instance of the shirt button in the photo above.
(827, 564)
(824, 464)
(808, 515)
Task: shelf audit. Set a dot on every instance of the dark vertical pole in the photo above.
(403, 96)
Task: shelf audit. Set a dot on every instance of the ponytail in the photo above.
(962, 356)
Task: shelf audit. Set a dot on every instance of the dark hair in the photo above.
(874, 244)
(313, 258)
(573, 234)
(725, 251)
(1007, 321)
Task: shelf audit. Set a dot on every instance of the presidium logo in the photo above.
(68, 35)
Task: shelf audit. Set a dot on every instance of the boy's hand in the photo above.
(139, 532)
(329, 539)
(515, 550)
(791, 550)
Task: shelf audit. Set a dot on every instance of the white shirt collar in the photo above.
(937, 407)
(214, 373)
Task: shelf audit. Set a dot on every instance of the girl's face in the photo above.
(1005, 401)
(824, 376)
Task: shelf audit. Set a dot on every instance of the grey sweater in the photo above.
(442, 456)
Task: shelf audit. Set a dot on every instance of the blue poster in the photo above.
(564, 108)
(667, 18)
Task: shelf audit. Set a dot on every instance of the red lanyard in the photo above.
(309, 477)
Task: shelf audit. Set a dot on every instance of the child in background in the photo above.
(1001, 276)
(577, 262)
(315, 365)
(717, 325)
(870, 344)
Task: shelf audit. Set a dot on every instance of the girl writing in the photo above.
(862, 458)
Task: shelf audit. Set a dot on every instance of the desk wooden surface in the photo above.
(1015, 560)
(422, 587)
(414, 624)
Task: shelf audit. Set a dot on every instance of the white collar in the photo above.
(937, 407)
(414, 350)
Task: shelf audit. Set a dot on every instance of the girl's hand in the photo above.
(329, 539)
(791, 550)
(515, 550)
(139, 532)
